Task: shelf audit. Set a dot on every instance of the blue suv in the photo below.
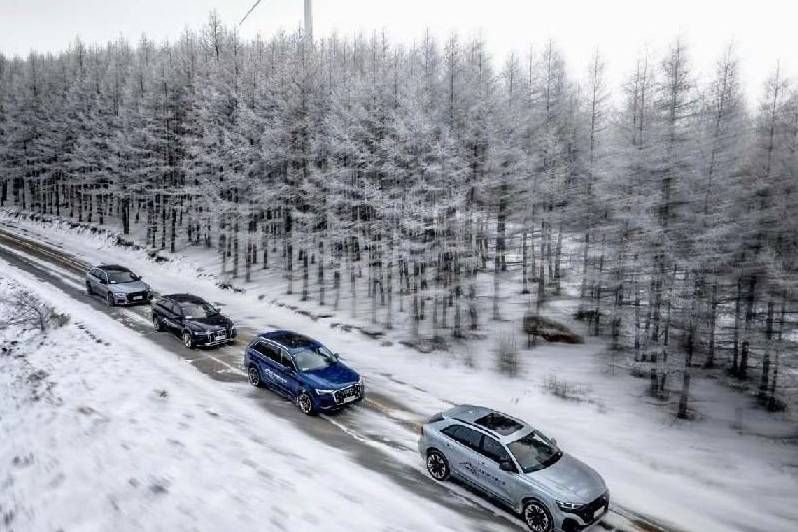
(303, 370)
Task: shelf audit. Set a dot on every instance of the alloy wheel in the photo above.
(305, 404)
(187, 341)
(254, 376)
(437, 466)
(110, 299)
(156, 323)
(536, 517)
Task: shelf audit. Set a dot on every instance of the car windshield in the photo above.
(311, 358)
(121, 276)
(198, 310)
(534, 451)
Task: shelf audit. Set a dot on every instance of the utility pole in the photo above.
(309, 21)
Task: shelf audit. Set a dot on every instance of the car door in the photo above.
(292, 384)
(91, 279)
(271, 367)
(105, 286)
(173, 316)
(463, 452)
(96, 282)
(492, 477)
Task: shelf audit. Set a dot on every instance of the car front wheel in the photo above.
(438, 466)
(88, 289)
(156, 323)
(305, 403)
(537, 517)
(188, 341)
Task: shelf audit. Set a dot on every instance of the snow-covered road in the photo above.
(388, 454)
(378, 437)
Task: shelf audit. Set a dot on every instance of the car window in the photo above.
(534, 451)
(313, 358)
(198, 310)
(261, 348)
(272, 354)
(468, 437)
(288, 361)
(494, 450)
(121, 276)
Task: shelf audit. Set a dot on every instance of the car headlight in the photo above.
(569, 506)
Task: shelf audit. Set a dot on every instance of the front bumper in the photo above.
(589, 514)
(211, 339)
(341, 398)
(136, 298)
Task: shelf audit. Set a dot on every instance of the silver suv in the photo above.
(516, 465)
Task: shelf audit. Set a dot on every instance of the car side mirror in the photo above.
(507, 465)
(554, 441)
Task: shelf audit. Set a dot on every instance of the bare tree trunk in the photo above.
(764, 380)
(749, 316)
(713, 314)
(321, 271)
(684, 396)
(736, 348)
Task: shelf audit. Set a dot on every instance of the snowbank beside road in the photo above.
(102, 430)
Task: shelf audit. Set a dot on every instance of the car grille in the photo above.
(352, 391)
(586, 512)
(133, 295)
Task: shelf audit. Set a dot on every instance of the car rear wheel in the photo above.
(438, 466)
(188, 341)
(156, 323)
(305, 404)
(109, 297)
(88, 289)
(254, 376)
(537, 517)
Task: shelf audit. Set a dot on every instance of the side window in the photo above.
(494, 450)
(469, 438)
(174, 308)
(272, 354)
(287, 361)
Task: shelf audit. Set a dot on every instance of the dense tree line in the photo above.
(424, 169)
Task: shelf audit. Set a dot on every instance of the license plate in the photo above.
(137, 298)
(220, 337)
(350, 399)
(599, 512)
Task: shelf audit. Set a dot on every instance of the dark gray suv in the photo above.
(516, 465)
(117, 285)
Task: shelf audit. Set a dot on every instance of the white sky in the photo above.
(764, 31)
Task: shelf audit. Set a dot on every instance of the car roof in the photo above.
(289, 339)
(184, 298)
(113, 268)
(501, 426)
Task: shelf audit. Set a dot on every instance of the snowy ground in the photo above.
(102, 431)
(699, 475)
